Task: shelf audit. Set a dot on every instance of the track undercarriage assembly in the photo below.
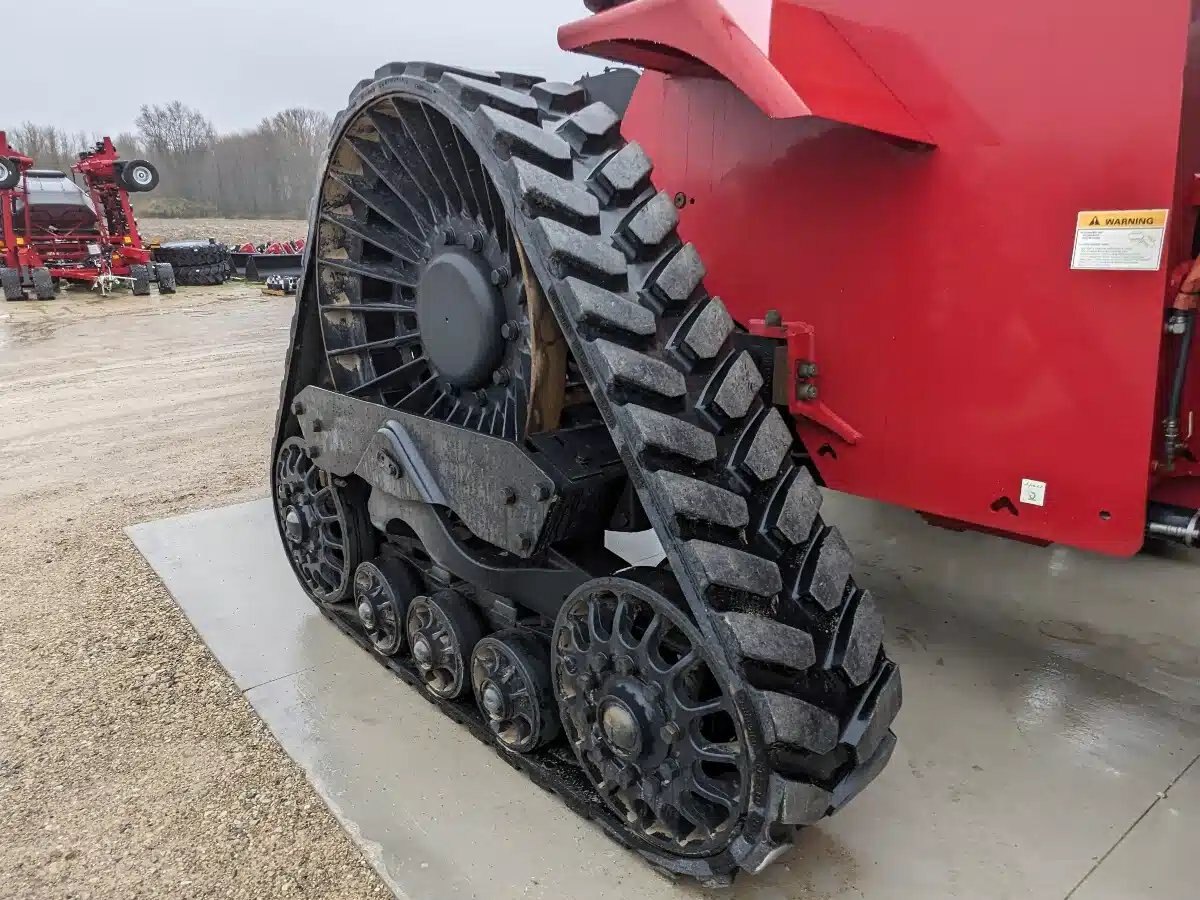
(501, 349)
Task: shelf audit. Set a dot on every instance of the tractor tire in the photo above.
(182, 254)
(10, 284)
(141, 280)
(10, 173)
(432, 165)
(43, 284)
(138, 176)
(164, 274)
(194, 276)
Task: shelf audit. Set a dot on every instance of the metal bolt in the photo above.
(669, 732)
(449, 237)
(381, 457)
(773, 319)
(681, 200)
(510, 496)
(510, 330)
(806, 392)
(500, 276)
(501, 376)
(317, 426)
(541, 492)
(475, 240)
(393, 470)
(526, 540)
(298, 408)
(806, 369)
(570, 665)
(482, 397)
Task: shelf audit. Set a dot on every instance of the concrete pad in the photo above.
(1018, 769)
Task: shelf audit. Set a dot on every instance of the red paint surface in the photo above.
(952, 332)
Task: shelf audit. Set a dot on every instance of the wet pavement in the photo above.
(1048, 742)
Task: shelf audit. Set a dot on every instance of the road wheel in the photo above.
(139, 176)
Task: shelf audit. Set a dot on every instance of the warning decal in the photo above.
(1121, 239)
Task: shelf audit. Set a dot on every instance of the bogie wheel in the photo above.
(510, 672)
(326, 533)
(650, 718)
(442, 632)
(383, 589)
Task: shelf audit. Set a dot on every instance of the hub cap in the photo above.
(647, 716)
(460, 314)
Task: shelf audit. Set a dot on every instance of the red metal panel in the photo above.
(952, 332)
(792, 61)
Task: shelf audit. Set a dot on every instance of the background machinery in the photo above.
(935, 254)
(53, 229)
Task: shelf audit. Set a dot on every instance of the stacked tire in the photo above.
(197, 262)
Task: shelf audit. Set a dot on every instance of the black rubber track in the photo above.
(766, 579)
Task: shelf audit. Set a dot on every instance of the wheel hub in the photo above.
(423, 652)
(460, 314)
(294, 525)
(646, 717)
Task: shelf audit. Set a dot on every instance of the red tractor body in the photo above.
(973, 221)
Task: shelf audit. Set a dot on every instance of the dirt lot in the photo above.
(129, 764)
(227, 231)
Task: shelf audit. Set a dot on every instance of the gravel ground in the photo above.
(227, 231)
(130, 766)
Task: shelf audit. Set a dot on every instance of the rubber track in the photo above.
(767, 579)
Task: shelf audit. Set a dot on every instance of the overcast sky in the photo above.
(239, 60)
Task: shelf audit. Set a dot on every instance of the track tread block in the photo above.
(705, 332)
(545, 194)
(591, 128)
(873, 719)
(652, 430)
(514, 137)
(597, 306)
(767, 641)
(859, 648)
(799, 803)
(794, 722)
(830, 562)
(676, 278)
(857, 779)
(794, 509)
(769, 447)
(650, 226)
(624, 175)
(694, 499)
(473, 93)
(559, 98)
(728, 567)
(623, 366)
(735, 386)
(571, 250)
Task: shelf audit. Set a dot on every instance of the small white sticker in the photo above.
(93, 249)
(1033, 492)
(1120, 240)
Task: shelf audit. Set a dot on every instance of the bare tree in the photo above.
(174, 129)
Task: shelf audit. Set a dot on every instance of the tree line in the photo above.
(266, 171)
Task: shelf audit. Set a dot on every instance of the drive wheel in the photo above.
(326, 534)
(648, 714)
(510, 672)
(442, 632)
(383, 590)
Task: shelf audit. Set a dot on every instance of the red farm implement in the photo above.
(52, 229)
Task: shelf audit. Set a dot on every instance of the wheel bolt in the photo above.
(526, 540)
(500, 276)
(317, 426)
(510, 330)
(298, 408)
(669, 732)
(501, 376)
(773, 319)
(482, 396)
(475, 240)
(510, 496)
(449, 238)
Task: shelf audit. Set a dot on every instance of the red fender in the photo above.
(790, 60)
